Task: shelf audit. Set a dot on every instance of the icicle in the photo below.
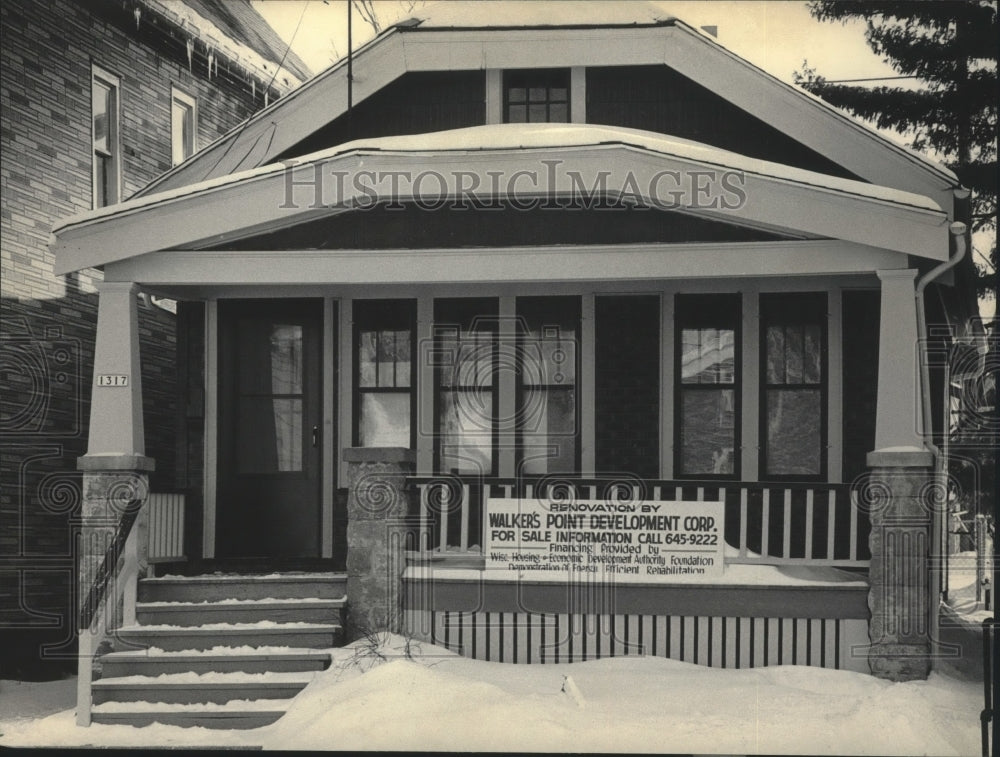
(211, 61)
(265, 98)
(137, 12)
(253, 87)
(190, 51)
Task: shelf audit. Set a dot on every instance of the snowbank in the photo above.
(432, 699)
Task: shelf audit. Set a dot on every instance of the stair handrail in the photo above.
(99, 588)
(87, 638)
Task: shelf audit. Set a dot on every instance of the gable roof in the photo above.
(340, 180)
(431, 41)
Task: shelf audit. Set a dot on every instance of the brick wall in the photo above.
(48, 322)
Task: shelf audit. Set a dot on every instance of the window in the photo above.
(183, 125)
(270, 399)
(536, 96)
(793, 389)
(548, 434)
(106, 137)
(707, 359)
(466, 399)
(383, 381)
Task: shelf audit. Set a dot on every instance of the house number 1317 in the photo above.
(112, 379)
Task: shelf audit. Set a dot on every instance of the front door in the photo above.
(268, 495)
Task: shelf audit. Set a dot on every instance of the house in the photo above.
(570, 338)
(99, 98)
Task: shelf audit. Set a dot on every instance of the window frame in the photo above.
(112, 82)
(526, 302)
(380, 317)
(445, 324)
(179, 95)
(800, 303)
(711, 312)
(552, 78)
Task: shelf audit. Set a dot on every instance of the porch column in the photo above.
(115, 466)
(900, 500)
(115, 472)
(898, 409)
(378, 535)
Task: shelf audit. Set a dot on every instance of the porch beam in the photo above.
(746, 192)
(509, 264)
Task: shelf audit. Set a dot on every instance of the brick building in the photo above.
(98, 99)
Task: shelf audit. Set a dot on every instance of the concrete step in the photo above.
(189, 688)
(234, 715)
(220, 660)
(214, 587)
(175, 638)
(295, 610)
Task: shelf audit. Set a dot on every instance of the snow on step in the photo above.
(294, 625)
(192, 687)
(262, 602)
(234, 714)
(221, 659)
(208, 678)
(220, 651)
(233, 704)
(243, 611)
(328, 586)
(261, 633)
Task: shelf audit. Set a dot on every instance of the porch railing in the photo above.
(815, 524)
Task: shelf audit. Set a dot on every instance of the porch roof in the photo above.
(524, 161)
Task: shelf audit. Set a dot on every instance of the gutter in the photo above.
(939, 480)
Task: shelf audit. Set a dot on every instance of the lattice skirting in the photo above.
(722, 642)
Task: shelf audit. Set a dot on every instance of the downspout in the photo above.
(958, 230)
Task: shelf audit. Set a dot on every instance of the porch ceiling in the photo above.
(529, 164)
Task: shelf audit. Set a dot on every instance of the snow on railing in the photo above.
(816, 524)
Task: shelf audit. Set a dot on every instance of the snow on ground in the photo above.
(434, 699)
(962, 588)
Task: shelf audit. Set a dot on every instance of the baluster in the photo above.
(744, 493)
(464, 534)
(831, 523)
(445, 508)
(765, 524)
(786, 546)
(809, 524)
(854, 525)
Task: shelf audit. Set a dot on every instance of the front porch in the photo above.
(358, 397)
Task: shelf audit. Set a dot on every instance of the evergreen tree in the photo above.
(949, 48)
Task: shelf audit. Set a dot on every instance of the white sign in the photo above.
(636, 542)
(112, 379)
